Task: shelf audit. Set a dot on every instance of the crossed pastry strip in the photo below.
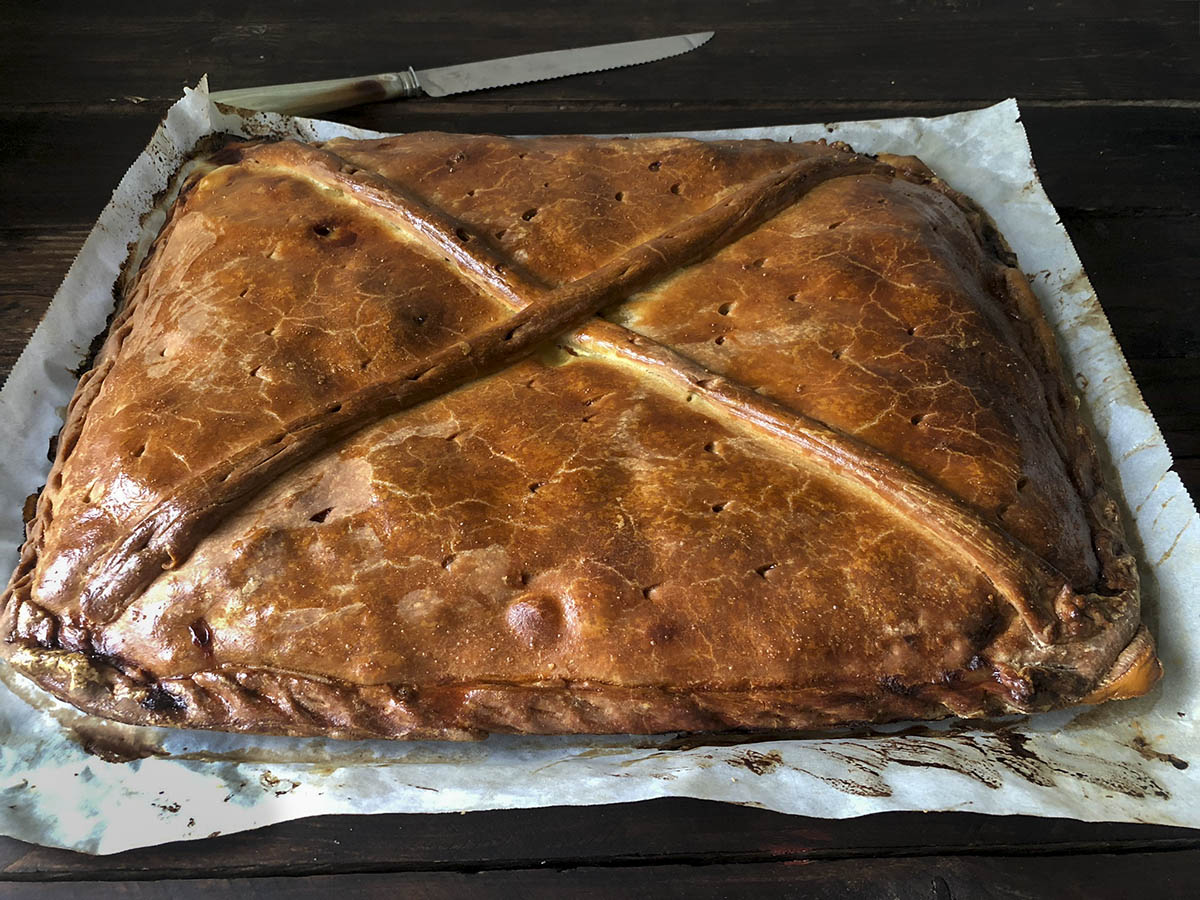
(164, 537)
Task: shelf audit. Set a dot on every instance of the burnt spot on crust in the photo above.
(894, 685)
(158, 699)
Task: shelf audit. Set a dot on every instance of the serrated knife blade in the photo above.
(308, 97)
(554, 64)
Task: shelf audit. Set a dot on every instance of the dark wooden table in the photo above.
(1110, 93)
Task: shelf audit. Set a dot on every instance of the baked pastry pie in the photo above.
(439, 435)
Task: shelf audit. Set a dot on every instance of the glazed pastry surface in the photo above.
(438, 435)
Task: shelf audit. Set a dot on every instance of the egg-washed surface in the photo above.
(435, 435)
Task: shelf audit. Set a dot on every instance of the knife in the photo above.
(307, 97)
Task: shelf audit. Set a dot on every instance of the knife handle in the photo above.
(307, 97)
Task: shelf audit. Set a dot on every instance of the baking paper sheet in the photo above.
(1122, 761)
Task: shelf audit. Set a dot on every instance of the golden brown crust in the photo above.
(708, 546)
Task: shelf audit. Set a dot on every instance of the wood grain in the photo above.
(940, 878)
(1129, 160)
(860, 50)
(673, 830)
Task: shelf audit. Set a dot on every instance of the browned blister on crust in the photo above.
(440, 435)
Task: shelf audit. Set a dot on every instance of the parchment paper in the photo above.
(1122, 761)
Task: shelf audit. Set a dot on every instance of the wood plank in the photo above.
(32, 265)
(1143, 269)
(1170, 388)
(942, 878)
(671, 830)
(793, 50)
(1126, 157)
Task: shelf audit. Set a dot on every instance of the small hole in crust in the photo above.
(336, 408)
(719, 507)
(792, 297)
(619, 196)
(759, 263)
(529, 214)
(1022, 483)
(366, 364)
(834, 225)
(720, 340)
(140, 450)
(201, 633)
(500, 234)
(912, 331)
(449, 560)
(254, 371)
(322, 230)
(655, 166)
(675, 188)
(244, 291)
(762, 571)
(536, 486)
(837, 354)
(917, 419)
(711, 447)
(320, 517)
(725, 308)
(650, 590)
(462, 235)
(471, 192)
